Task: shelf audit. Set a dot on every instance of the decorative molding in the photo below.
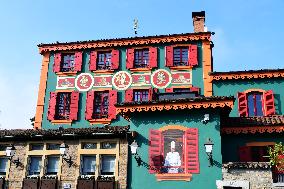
(247, 75)
(99, 121)
(253, 130)
(68, 122)
(177, 127)
(176, 177)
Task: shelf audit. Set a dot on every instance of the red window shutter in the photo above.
(195, 89)
(114, 59)
(74, 105)
(169, 56)
(57, 61)
(243, 104)
(169, 90)
(269, 103)
(192, 55)
(153, 51)
(155, 150)
(78, 61)
(245, 153)
(112, 102)
(191, 151)
(93, 61)
(130, 58)
(52, 106)
(150, 94)
(129, 95)
(89, 105)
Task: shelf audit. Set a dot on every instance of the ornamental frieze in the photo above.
(124, 80)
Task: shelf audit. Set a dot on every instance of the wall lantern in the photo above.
(63, 148)
(134, 149)
(10, 152)
(208, 149)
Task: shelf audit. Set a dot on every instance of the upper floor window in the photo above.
(34, 165)
(101, 103)
(36, 146)
(52, 165)
(255, 104)
(180, 56)
(63, 106)
(88, 165)
(108, 165)
(68, 63)
(146, 58)
(141, 95)
(104, 61)
(141, 58)
(3, 165)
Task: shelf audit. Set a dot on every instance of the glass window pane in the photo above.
(3, 147)
(88, 166)
(258, 98)
(3, 165)
(251, 105)
(35, 165)
(108, 165)
(108, 145)
(53, 146)
(89, 145)
(36, 147)
(52, 165)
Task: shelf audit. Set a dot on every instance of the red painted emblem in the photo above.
(84, 82)
(121, 80)
(65, 82)
(161, 78)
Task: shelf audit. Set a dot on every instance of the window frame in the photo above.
(141, 54)
(102, 106)
(6, 167)
(106, 55)
(255, 105)
(62, 62)
(177, 63)
(65, 107)
(141, 95)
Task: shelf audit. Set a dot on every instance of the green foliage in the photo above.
(274, 152)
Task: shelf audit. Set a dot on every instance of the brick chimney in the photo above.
(198, 19)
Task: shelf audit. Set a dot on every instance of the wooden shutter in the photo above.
(155, 150)
(191, 153)
(153, 55)
(169, 56)
(269, 106)
(30, 183)
(243, 104)
(86, 184)
(89, 105)
(93, 61)
(57, 62)
(245, 153)
(48, 184)
(112, 101)
(78, 61)
(150, 94)
(74, 105)
(2, 183)
(192, 55)
(130, 58)
(114, 59)
(52, 106)
(169, 90)
(129, 95)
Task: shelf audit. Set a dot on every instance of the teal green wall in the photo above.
(82, 123)
(140, 178)
(232, 87)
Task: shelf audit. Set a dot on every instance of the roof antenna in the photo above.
(135, 26)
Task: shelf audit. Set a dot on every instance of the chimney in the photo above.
(198, 19)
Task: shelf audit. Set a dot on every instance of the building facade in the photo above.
(100, 100)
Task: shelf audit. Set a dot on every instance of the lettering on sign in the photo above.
(84, 82)
(121, 80)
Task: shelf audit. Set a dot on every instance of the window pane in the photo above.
(35, 165)
(3, 165)
(53, 146)
(255, 104)
(141, 95)
(88, 166)
(36, 147)
(52, 165)
(251, 105)
(101, 103)
(108, 165)
(63, 106)
(104, 61)
(67, 62)
(108, 145)
(89, 145)
(258, 98)
(141, 58)
(181, 56)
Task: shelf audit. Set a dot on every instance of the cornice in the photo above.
(253, 130)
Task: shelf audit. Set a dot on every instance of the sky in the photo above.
(248, 35)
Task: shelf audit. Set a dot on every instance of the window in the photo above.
(255, 153)
(180, 56)
(141, 58)
(36, 147)
(89, 145)
(108, 165)
(3, 147)
(3, 165)
(63, 106)
(181, 90)
(53, 146)
(101, 104)
(67, 62)
(104, 61)
(88, 165)
(255, 102)
(34, 165)
(52, 165)
(108, 145)
(141, 95)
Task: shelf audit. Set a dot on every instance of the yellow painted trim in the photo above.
(66, 73)
(99, 121)
(141, 87)
(260, 143)
(254, 90)
(168, 127)
(103, 71)
(181, 68)
(133, 70)
(61, 122)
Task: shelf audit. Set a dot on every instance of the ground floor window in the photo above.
(3, 165)
(108, 165)
(88, 165)
(34, 165)
(52, 165)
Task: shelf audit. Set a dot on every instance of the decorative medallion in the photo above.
(65, 82)
(161, 78)
(181, 78)
(121, 80)
(84, 82)
(139, 80)
(102, 81)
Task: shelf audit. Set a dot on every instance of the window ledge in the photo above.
(174, 176)
(181, 67)
(103, 71)
(66, 73)
(99, 121)
(61, 122)
(140, 69)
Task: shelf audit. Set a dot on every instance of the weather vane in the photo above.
(135, 26)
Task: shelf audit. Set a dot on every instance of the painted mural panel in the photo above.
(65, 83)
(101, 81)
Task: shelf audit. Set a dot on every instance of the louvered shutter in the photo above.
(57, 62)
(155, 150)
(74, 105)
(52, 106)
(169, 90)
(153, 55)
(191, 153)
(114, 59)
(130, 58)
(169, 56)
(93, 61)
(89, 105)
(78, 61)
(129, 95)
(269, 103)
(111, 107)
(243, 104)
(192, 55)
(245, 153)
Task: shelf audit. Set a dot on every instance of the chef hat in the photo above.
(173, 144)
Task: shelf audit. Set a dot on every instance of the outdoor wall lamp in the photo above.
(208, 149)
(134, 148)
(63, 154)
(10, 152)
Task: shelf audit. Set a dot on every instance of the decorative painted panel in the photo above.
(65, 83)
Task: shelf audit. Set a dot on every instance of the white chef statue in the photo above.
(173, 159)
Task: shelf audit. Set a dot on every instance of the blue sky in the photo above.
(249, 35)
